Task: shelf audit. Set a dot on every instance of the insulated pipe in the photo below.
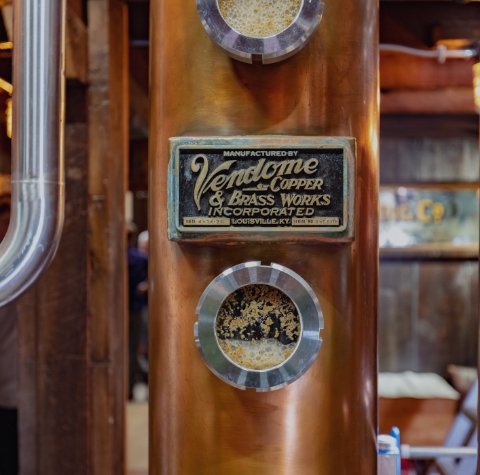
(441, 52)
(37, 145)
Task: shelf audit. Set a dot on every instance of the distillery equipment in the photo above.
(265, 31)
(266, 331)
(37, 145)
(263, 228)
(263, 176)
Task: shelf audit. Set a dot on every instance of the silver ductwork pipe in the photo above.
(37, 145)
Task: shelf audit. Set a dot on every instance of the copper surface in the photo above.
(324, 423)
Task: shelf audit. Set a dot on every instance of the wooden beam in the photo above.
(139, 78)
(54, 364)
(75, 41)
(108, 157)
(401, 71)
(138, 175)
(410, 84)
(78, 7)
(76, 63)
(441, 101)
(419, 126)
(72, 385)
(138, 111)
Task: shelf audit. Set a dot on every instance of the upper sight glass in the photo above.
(259, 18)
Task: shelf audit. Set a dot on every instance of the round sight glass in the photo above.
(259, 18)
(258, 327)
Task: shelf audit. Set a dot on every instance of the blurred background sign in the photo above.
(430, 221)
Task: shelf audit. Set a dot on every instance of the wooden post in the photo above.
(54, 388)
(108, 158)
(72, 334)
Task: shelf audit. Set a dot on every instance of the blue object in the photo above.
(389, 453)
(395, 433)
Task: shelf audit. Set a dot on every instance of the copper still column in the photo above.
(324, 423)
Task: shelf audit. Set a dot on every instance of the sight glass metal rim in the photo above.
(310, 314)
(272, 48)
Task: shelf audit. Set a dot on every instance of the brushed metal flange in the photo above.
(309, 311)
(271, 49)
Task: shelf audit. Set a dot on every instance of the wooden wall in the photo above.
(429, 134)
(428, 160)
(428, 309)
(54, 412)
(72, 331)
(427, 315)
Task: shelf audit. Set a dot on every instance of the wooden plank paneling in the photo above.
(53, 335)
(72, 325)
(439, 101)
(445, 314)
(442, 126)
(27, 384)
(428, 315)
(428, 309)
(411, 84)
(427, 160)
(473, 336)
(397, 316)
(402, 71)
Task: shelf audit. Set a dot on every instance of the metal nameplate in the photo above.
(260, 186)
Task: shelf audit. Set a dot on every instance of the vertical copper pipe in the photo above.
(325, 423)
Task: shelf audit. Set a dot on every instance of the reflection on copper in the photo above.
(199, 425)
(476, 85)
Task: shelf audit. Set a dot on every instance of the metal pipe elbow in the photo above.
(37, 210)
(32, 238)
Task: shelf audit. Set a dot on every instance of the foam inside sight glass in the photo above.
(259, 18)
(258, 327)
